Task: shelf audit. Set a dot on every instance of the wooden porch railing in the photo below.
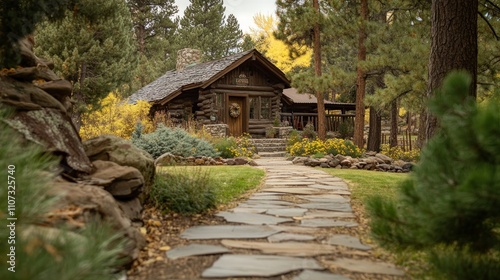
(300, 120)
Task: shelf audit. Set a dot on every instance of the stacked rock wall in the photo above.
(106, 187)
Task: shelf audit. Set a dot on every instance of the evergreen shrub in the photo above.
(450, 206)
(175, 141)
(43, 252)
(184, 192)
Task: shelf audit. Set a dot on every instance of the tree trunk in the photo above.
(453, 47)
(317, 69)
(375, 134)
(76, 113)
(393, 139)
(359, 122)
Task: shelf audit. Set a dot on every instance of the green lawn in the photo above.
(365, 184)
(231, 182)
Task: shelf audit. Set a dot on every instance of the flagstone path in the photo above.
(299, 226)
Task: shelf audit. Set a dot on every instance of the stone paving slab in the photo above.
(270, 202)
(325, 198)
(287, 212)
(291, 249)
(228, 231)
(252, 219)
(249, 210)
(280, 237)
(316, 275)
(340, 207)
(257, 266)
(265, 197)
(365, 266)
(321, 223)
(195, 250)
(332, 187)
(314, 214)
(262, 206)
(293, 190)
(347, 241)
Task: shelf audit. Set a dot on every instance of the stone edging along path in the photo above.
(299, 226)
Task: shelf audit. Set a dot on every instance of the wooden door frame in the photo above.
(245, 110)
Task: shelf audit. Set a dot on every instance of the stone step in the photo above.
(272, 154)
(276, 147)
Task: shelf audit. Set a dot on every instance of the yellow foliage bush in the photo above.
(243, 146)
(116, 117)
(397, 153)
(308, 147)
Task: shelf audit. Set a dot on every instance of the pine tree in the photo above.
(154, 30)
(19, 19)
(204, 27)
(450, 207)
(300, 24)
(92, 47)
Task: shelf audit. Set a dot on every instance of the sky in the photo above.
(243, 10)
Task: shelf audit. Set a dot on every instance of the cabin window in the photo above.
(260, 108)
(265, 108)
(253, 101)
(219, 100)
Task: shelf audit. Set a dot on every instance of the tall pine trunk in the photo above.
(317, 70)
(78, 96)
(393, 138)
(453, 47)
(375, 132)
(359, 122)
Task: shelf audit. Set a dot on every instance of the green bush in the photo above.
(184, 192)
(175, 141)
(42, 252)
(224, 146)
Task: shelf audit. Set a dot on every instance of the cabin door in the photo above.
(237, 115)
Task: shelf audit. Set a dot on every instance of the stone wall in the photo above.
(169, 159)
(216, 130)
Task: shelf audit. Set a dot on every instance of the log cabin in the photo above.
(243, 90)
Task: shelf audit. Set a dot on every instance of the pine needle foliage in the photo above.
(43, 252)
(450, 206)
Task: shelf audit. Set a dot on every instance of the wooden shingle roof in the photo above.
(200, 75)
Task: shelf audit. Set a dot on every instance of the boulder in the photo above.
(299, 160)
(333, 162)
(123, 182)
(53, 130)
(324, 165)
(384, 167)
(26, 96)
(240, 161)
(166, 159)
(122, 152)
(385, 158)
(132, 209)
(407, 167)
(78, 204)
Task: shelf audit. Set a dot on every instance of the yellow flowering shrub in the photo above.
(243, 147)
(117, 117)
(307, 147)
(397, 153)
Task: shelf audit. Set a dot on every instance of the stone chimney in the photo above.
(187, 57)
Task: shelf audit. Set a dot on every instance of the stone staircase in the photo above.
(270, 147)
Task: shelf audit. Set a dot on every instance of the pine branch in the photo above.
(489, 25)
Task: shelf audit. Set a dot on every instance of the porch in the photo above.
(334, 122)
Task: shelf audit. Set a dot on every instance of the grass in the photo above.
(229, 182)
(365, 184)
